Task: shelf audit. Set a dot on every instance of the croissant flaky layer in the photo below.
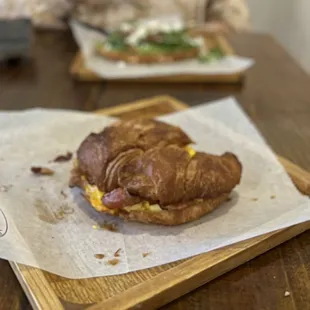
(147, 163)
(97, 151)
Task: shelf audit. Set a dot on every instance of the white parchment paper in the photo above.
(87, 38)
(51, 226)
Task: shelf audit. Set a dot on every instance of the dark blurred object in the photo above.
(15, 40)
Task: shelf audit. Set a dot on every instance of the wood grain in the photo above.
(41, 298)
(80, 72)
(275, 94)
(157, 286)
(145, 108)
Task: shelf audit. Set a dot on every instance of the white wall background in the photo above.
(288, 21)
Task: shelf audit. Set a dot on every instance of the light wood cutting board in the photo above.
(151, 288)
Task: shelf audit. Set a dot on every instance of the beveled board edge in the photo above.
(143, 103)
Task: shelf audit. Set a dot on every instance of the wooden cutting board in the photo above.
(80, 72)
(151, 288)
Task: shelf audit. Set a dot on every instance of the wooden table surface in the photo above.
(275, 94)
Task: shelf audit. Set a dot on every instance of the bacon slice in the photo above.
(119, 198)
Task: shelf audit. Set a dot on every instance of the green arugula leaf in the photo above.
(117, 41)
(213, 55)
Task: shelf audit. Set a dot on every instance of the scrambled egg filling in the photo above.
(191, 152)
(95, 195)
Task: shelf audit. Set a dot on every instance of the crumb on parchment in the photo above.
(62, 212)
(254, 199)
(109, 226)
(63, 158)
(63, 194)
(5, 188)
(113, 261)
(117, 253)
(272, 196)
(106, 226)
(42, 171)
(99, 256)
(146, 254)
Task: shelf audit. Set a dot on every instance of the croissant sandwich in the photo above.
(155, 41)
(145, 171)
